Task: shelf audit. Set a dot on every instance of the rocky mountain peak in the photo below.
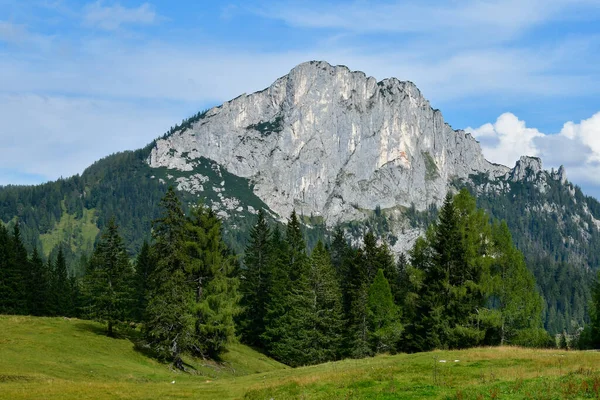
(335, 143)
(527, 168)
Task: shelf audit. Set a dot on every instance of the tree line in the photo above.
(463, 284)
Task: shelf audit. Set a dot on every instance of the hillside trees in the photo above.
(255, 282)
(108, 283)
(193, 295)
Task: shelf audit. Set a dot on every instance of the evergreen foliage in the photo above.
(256, 282)
(384, 316)
(108, 283)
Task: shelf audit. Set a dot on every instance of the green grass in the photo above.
(57, 358)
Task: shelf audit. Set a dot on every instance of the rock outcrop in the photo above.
(334, 143)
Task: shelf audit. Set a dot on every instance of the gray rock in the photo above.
(332, 142)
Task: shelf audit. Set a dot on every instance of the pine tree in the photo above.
(61, 295)
(384, 316)
(296, 248)
(255, 282)
(326, 315)
(277, 306)
(593, 331)
(6, 272)
(169, 318)
(39, 285)
(143, 271)
(288, 312)
(371, 255)
(108, 284)
(209, 268)
(14, 268)
(514, 290)
(358, 325)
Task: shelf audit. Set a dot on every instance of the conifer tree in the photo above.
(514, 291)
(13, 272)
(108, 284)
(209, 268)
(371, 256)
(358, 324)
(287, 320)
(277, 305)
(60, 289)
(384, 316)
(296, 248)
(143, 272)
(39, 285)
(255, 282)
(592, 332)
(326, 316)
(169, 324)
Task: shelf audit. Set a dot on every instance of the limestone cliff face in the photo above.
(331, 142)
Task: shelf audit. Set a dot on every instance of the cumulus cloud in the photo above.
(507, 139)
(113, 17)
(576, 146)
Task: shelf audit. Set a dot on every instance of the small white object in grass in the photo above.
(442, 360)
(456, 360)
(172, 382)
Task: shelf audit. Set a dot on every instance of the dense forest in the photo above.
(463, 284)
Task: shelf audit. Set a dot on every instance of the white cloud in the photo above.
(576, 146)
(587, 132)
(113, 17)
(512, 139)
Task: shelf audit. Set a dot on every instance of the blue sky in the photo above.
(80, 80)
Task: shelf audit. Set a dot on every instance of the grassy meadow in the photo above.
(59, 358)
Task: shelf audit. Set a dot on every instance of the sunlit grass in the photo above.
(57, 358)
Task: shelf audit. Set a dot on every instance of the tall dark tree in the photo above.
(325, 316)
(13, 270)
(169, 324)
(384, 316)
(255, 282)
(277, 306)
(358, 333)
(209, 268)
(286, 324)
(38, 285)
(144, 266)
(61, 294)
(108, 284)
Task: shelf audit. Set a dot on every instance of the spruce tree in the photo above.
(384, 316)
(143, 271)
(326, 327)
(108, 284)
(357, 337)
(209, 268)
(39, 285)
(288, 312)
(255, 282)
(169, 318)
(514, 292)
(277, 305)
(61, 295)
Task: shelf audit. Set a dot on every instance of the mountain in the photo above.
(340, 148)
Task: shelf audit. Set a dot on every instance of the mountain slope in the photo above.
(339, 147)
(331, 142)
